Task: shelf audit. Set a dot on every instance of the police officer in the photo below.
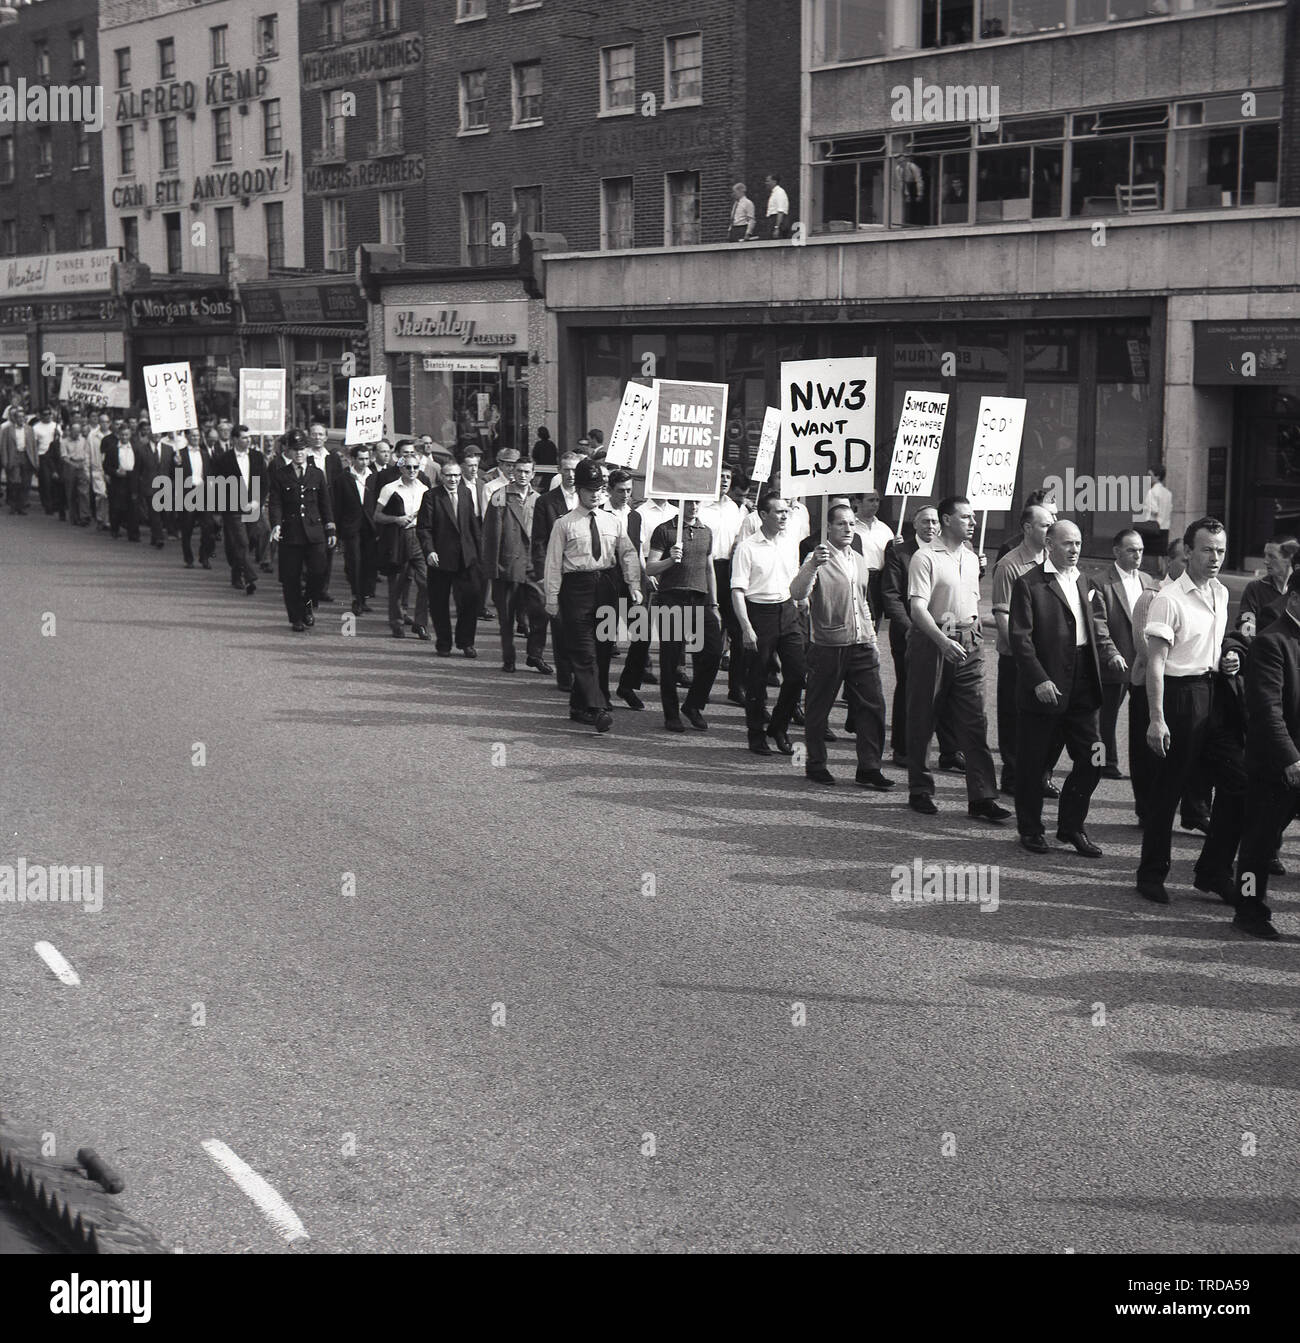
(302, 524)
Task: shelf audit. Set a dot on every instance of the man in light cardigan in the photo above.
(835, 580)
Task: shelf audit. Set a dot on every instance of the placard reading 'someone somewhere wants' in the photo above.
(686, 437)
(169, 389)
(917, 443)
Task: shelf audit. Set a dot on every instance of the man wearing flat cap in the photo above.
(585, 546)
(302, 524)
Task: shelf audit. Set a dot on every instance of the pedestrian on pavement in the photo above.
(403, 518)
(743, 223)
(302, 525)
(45, 429)
(1060, 643)
(762, 568)
(1155, 519)
(944, 665)
(835, 580)
(585, 547)
(18, 457)
(1189, 673)
(1264, 600)
(686, 604)
(1119, 590)
(121, 471)
(507, 560)
(457, 545)
(75, 451)
(356, 528)
(243, 467)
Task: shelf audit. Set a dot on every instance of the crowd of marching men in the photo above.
(551, 547)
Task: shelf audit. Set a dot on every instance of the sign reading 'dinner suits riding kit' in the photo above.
(828, 425)
(686, 438)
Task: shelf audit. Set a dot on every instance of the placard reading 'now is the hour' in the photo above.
(366, 398)
(686, 438)
(828, 425)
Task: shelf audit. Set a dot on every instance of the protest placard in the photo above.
(262, 399)
(686, 438)
(635, 415)
(766, 445)
(991, 484)
(94, 386)
(169, 389)
(917, 443)
(828, 426)
(366, 397)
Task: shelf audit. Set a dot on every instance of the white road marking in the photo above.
(51, 956)
(274, 1208)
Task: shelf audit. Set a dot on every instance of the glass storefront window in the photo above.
(849, 30)
(1123, 415)
(1051, 439)
(605, 371)
(697, 357)
(745, 372)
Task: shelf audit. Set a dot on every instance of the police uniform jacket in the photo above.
(300, 508)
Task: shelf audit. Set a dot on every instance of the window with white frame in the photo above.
(9, 237)
(386, 14)
(473, 100)
(166, 58)
(123, 56)
(171, 145)
(335, 233)
(77, 42)
(80, 147)
(223, 142)
(268, 36)
(681, 209)
(272, 127)
(43, 68)
(471, 9)
(392, 220)
(225, 236)
(85, 229)
(273, 217)
(44, 152)
(390, 114)
(131, 239)
(683, 69)
(474, 228)
(126, 150)
(333, 121)
(528, 93)
(218, 37)
(617, 214)
(618, 78)
(528, 211)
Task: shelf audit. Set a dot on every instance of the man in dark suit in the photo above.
(302, 525)
(19, 459)
(1059, 644)
(1264, 600)
(457, 546)
(552, 506)
(357, 534)
(243, 468)
(194, 465)
(507, 559)
(331, 466)
(122, 482)
(148, 464)
(1272, 759)
(1119, 591)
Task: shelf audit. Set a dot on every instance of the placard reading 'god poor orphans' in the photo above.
(995, 455)
(366, 409)
(828, 425)
(685, 458)
(169, 389)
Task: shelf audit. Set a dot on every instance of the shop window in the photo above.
(528, 94)
(49, 234)
(218, 35)
(7, 161)
(172, 235)
(225, 236)
(618, 79)
(85, 230)
(273, 217)
(392, 220)
(1124, 417)
(474, 228)
(849, 30)
(123, 58)
(131, 239)
(682, 212)
(473, 100)
(605, 371)
(336, 233)
(272, 128)
(683, 69)
(983, 369)
(171, 150)
(1050, 442)
(331, 21)
(696, 357)
(166, 58)
(223, 144)
(617, 217)
(744, 369)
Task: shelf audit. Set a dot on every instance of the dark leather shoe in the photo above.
(1276, 867)
(538, 665)
(603, 721)
(399, 631)
(1224, 888)
(1111, 772)
(1153, 891)
(309, 619)
(955, 763)
(1197, 823)
(759, 745)
(987, 810)
(582, 716)
(631, 699)
(443, 652)
(1050, 789)
(736, 698)
(250, 589)
(507, 666)
(923, 803)
(408, 622)
(873, 778)
(696, 719)
(422, 634)
(470, 652)
(298, 627)
(1035, 843)
(1079, 839)
(674, 725)
(1255, 926)
(828, 735)
(783, 743)
(796, 717)
(818, 774)
(649, 678)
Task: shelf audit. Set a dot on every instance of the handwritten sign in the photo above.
(995, 455)
(366, 406)
(169, 389)
(689, 426)
(828, 425)
(94, 386)
(767, 445)
(635, 415)
(262, 399)
(917, 443)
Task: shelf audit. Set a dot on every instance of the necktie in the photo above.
(595, 537)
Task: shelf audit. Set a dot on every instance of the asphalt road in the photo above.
(561, 944)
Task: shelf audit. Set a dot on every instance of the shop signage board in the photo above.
(57, 273)
(437, 363)
(170, 392)
(917, 443)
(686, 440)
(262, 393)
(828, 425)
(457, 328)
(1245, 354)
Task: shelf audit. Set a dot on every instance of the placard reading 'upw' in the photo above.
(169, 389)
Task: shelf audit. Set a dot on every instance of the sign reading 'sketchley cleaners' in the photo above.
(430, 328)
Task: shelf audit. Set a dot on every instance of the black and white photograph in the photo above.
(833, 467)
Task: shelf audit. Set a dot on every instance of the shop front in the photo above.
(1090, 374)
(317, 331)
(191, 324)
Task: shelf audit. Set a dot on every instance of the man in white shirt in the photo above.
(762, 568)
(45, 430)
(1189, 681)
(1158, 515)
(329, 465)
(194, 465)
(723, 518)
(401, 504)
(98, 487)
(778, 207)
(742, 214)
(1118, 592)
(874, 536)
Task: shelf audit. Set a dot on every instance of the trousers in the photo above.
(857, 668)
(936, 687)
(1040, 737)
